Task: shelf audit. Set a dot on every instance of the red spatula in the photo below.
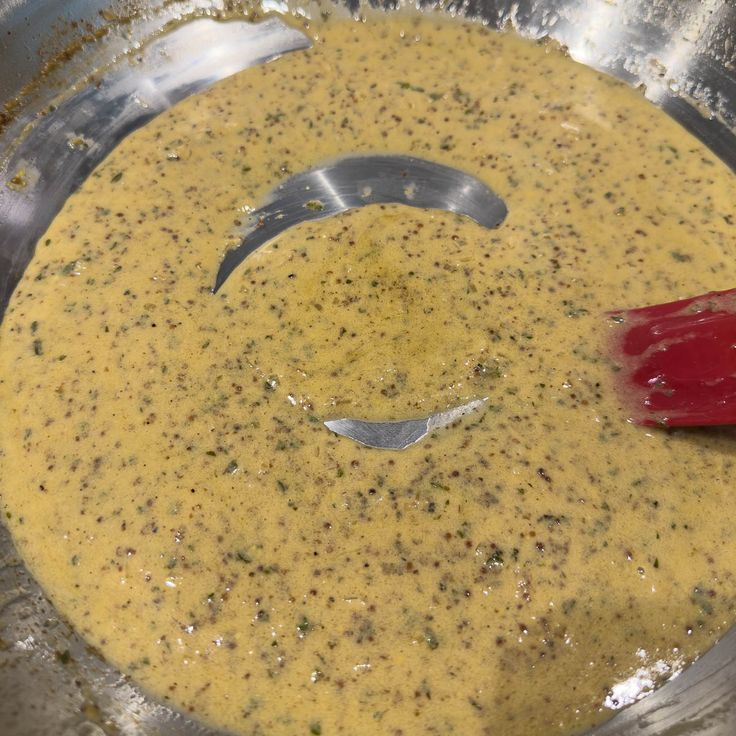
(678, 360)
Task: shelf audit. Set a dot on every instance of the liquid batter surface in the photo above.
(167, 475)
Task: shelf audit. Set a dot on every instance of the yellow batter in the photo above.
(166, 472)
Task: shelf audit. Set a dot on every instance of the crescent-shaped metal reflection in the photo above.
(356, 181)
(399, 435)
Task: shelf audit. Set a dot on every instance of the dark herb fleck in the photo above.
(495, 561)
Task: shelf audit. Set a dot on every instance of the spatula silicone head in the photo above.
(677, 361)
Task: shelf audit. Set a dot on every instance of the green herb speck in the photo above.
(680, 257)
(431, 639)
(64, 657)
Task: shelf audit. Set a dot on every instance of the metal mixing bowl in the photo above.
(682, 54)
